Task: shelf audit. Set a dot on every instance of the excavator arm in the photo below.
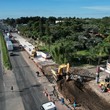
(61, 67)
(59, 73)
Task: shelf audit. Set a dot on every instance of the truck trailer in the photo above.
(9, 45)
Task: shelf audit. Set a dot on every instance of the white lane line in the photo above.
(4, 85)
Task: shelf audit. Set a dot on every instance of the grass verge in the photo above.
(5, 57)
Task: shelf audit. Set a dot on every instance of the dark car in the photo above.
(11, 54)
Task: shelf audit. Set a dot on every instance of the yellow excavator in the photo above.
(62, 70)
(33, 53)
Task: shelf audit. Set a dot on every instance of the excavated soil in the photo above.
(73, 90)
(83, 95)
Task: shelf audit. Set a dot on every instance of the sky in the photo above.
(56, 8)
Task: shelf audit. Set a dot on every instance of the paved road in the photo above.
(30, 90)
(2, 93)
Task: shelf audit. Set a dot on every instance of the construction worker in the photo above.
(74, 105)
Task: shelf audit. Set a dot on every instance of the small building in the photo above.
(9, 45)
(58, 21)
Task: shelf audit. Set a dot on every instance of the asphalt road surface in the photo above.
(2, 93)
(30, 90)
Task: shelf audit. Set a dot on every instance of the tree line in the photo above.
(70, 39)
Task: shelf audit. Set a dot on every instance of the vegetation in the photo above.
(6, 60)
(73, 40)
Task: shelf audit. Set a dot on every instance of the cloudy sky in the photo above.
(57, 8)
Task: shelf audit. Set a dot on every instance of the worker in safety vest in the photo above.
(74, 105)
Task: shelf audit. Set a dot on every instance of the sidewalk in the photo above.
(13, 99)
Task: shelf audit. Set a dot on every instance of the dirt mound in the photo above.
(82, 94)
(74, 90)
(81, 72)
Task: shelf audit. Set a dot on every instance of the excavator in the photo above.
(33, 53)
(61, 71)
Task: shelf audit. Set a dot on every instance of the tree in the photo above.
(41, 28)
(52, 20)
(47, 29)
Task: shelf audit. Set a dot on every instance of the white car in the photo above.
(48, 106)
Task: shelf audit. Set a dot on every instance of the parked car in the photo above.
(11, 54)
(48, 106)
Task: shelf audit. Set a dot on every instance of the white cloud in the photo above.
(99, 8)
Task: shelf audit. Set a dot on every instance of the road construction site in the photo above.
(80, 85)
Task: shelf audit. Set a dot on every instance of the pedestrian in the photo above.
(37, 73)
(12, 88)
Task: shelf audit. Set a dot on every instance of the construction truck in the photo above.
(61, 72)
(105, 85)
(33, 53)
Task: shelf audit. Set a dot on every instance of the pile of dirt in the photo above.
(47, 69)
(81, 72)
(82, 94)
(74, 90)
(48, 73)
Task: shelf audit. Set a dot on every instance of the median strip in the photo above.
(5, 57)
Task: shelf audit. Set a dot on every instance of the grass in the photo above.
(82, 53)
(5, 57)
